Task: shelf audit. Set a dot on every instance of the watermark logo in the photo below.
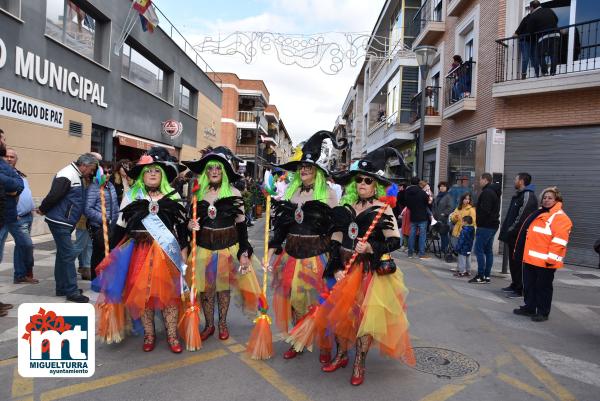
(56, 340)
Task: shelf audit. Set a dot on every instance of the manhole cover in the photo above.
(587, 276)
(45, 246)
(444, 363)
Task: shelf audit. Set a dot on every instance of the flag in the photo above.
(149, 19)
(141, 5)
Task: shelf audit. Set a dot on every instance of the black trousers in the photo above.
(537, 288)
(97, 236)
(516, 268)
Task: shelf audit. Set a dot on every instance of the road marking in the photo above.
(229, 341)
(503, 359)
(9, 334)
(516, 383)
(271, 376)
(584, 315)
(513, 321)
(538, 371)
(21, 386)
(444, 393)
(7, 362)
(576, 369)
(237, 348)
(485, 295)
(580, 282)
(104, 382)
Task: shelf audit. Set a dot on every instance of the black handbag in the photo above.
(386, 265)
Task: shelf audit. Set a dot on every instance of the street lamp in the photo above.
(425, 56)
(258, 113)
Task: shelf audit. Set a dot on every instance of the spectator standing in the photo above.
(442, 207)
(488, 221)
(464, 246)
(120, 179)
(62, 208)
(542, 244)
(12, 186)
(457, 61)
(3, 307)
(542, 26)
(523, 203)
(524, 44)
(417, 202)
(93, 212)
(23, 257)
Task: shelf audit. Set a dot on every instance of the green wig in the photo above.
(139, 188)
(204, 182)
(320, 192)
(351, 193)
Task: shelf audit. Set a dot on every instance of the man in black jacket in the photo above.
(522, 204)
(488, 221)
(417, 202)
(542, 26)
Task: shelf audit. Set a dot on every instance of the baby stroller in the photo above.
(434, 243)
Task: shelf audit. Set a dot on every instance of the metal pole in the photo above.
(420, 143)
(505, 256)
(256, 149)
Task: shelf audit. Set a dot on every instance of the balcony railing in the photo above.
(246, 117)
(458, 83)
(248, 152)
(566, 50)
(432, 103)
(430, 11)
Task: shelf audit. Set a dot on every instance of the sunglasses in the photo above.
(306, 166)
(366, 180)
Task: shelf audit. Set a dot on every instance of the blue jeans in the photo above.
(484, 240)
(83, 247)
(445, 240)
(422, 226)
(526, 54)
(23, 254)
(65, 274)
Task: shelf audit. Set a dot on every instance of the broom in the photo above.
(189, 324)
(260, 343)
(304, 332)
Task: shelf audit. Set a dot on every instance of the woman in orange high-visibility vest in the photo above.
(542, 246)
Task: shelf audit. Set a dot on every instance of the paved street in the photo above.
(504, 357)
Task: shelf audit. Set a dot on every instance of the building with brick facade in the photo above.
(243, 101)
(489, 112)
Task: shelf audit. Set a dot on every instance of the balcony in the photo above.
(458, 97)
(387, 131)
(432, 110)
(247, 120)
(428, 23)
(247, 152)
(563, 59)
(456, 7)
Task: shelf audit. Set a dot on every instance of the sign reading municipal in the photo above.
(56, 340)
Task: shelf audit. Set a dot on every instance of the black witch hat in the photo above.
(221, 154)
(374, 166)
(159, 156)
(311, 151)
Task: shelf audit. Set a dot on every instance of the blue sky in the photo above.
(308, 99)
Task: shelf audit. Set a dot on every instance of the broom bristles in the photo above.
(304, 333)
(189, 328)
(260, 343)
(112, 322)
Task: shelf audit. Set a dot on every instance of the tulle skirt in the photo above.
(219, 270)
(369, 304)
(297, 284)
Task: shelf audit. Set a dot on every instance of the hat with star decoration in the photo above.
(311, 152)
(373, 165)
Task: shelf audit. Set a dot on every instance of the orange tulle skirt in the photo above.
(369, 304)
(219, 270)
(297, 284)
(153, 281)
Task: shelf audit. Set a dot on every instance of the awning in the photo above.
(141, 143)
(267, 139)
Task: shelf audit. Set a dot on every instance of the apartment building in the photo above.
(350, 124)
(489, 112)
(249, 120)
(65, 91)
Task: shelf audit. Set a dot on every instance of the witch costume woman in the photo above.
(224, 254)
(367, 305)
(303, 221)
(144, 272)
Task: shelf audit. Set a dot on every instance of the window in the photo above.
(184, 98)
(75, 27)
(142, 72)
(466, 162)
(410, 86)
(396, 29)
(11, 6)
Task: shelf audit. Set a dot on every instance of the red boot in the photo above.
(174, 345)
(358, 376)
(223, 332)
(324, 357)
(207, 332)
(149, 341)
(290, 353)
(338, 362)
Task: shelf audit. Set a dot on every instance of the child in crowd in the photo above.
(464, 247)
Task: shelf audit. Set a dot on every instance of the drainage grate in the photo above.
(587, 276)
(444, 363)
